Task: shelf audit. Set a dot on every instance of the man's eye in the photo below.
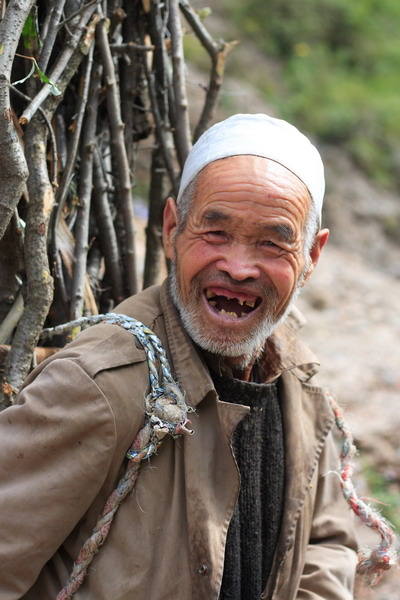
(219, 234)
(270, 244)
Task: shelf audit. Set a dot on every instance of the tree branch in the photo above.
(119, 151)
(154, 224)
(59, 66)
(130, 48)
(84, 194)
(78, 12)
(160, 91)
(51, 135)
(12, 160)
(181, 126)
(72, 154)
(218, 52)
(56, 12)
(39, 281)
(107, 236)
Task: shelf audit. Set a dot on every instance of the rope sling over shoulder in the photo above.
(166, 412)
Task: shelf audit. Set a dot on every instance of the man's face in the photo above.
(239, 261)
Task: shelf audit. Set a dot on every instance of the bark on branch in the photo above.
(119, 151)
(85, 193)
(12, 160)
(218, 52)
(59, 67)
(182, 127)
(39, 280)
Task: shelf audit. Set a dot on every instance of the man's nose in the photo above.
(239, 262)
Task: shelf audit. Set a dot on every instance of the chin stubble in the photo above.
(247, 348)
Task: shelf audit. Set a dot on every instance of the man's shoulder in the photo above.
(105, 346)
(144, 306)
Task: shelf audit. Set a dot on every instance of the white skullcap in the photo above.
(259, 135)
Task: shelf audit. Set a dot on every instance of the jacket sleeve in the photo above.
(55, 451)
(330, 563)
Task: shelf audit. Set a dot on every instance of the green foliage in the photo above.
(385, 493)
(340, 64)
(30, 32)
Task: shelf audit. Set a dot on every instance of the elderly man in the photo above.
(244, 508)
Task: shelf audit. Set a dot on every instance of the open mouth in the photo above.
(232, 306)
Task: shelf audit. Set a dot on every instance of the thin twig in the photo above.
(10, 322)
(182, 127)
(153, 230)
(218, 52)
(107, 235)
(121, 158)
(206, 40)
(59, 66)
(130, 47)
(78, 12)
(51, 135)
(72, 150)
(160, 89)
(84, 194)
(14, 172)
(160, 133)
(48, 44)
(214, 87)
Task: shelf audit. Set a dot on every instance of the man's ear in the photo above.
(169, 227)
(319, 242)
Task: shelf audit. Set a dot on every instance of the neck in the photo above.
(238, 367)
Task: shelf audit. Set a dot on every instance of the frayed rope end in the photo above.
(373, 562)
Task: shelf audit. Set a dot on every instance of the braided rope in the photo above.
(372, 562)
(166, 412)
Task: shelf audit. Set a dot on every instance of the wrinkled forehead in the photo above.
(252, 189)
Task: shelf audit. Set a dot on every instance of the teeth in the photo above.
(240, 302)
(213, 302)
(209, 294)
(250, 303)
(230, 314)
(243, 314)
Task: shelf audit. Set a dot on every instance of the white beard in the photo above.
(248, 348)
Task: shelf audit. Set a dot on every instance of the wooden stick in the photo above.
(52, 29)
(13, 164)
(107, 235)
(119, 151)
(59, 66)
(84, 193)
(182, 128)
(218, 52)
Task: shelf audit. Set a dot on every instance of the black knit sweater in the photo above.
(259, 451)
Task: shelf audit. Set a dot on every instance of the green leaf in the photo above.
(35, 67)
(30, 31)
(54, 89)
(31, 72)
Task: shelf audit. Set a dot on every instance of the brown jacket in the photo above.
(63, 446)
